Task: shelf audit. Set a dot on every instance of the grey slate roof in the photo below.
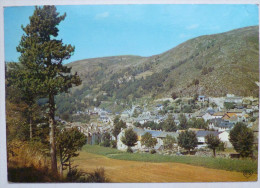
(205, 133)
(156, 134)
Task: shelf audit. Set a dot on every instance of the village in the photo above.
(218, 114)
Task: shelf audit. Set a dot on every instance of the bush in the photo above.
(129, 150)
(221, 146)
(98, 176)
(113, 144)
(153, 151)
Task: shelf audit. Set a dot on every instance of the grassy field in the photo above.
(208, 162)
(152, 168)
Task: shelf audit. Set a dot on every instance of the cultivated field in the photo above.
(137, 171)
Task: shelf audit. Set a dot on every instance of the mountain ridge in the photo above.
(212, 65)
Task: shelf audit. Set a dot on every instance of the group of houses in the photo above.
(220, 121)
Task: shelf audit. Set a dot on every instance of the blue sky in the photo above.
(145, 30)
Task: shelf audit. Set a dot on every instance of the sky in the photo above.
(144, 30)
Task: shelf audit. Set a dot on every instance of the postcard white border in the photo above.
(3, 163)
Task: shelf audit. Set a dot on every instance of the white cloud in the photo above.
(184, 36)
(102, 15)
(193, 26)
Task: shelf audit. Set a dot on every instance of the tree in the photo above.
(229, 105)
(17, 78)
(242, 138)
(106, 139)
(174, 96)
(199, 123)
(116, 120)
(212, 142)
(117, 128)
(168, 142)
(135, 114)
(42, 56)
(130, 138)
(69, 141)
(148, 141)
(169, 124)
(188, 140)
(183, 122)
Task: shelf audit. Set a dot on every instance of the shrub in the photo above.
(221, 146)
(113, 143)
(129, 150)
(98, 176)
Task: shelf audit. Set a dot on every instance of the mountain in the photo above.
(212, 65)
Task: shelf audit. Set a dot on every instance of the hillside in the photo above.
(212, 65)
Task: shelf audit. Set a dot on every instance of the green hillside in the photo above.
(213, 65)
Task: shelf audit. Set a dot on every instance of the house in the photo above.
(233, 99)
(211, 111)
(207, 116)
(220, 125)
(213, 123)
(159, 135)
(125, 114)
(201, 98)
(200, 115)
(224, 126)
(224, 137)
(218, 114)
(201, 136)
(228, 115)
(104, 119)
(159, 107)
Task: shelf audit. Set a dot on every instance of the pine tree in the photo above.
(42, 55)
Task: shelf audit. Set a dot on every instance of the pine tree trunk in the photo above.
(30, 128)
(214, 152)
(30, 121)
(31, 131)
(52, 134)
(61, 166)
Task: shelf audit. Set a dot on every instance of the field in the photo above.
(145, 167)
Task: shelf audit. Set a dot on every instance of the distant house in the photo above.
(201, 136)
(159, 107)
(210, 111)
(218, 114)
(207, 116)
(220, 125)
(224, 137)
(200, 115)
(104, 119)
(125, 114)
(201, 98)
(233, 99)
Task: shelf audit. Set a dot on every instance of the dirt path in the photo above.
(135, 171)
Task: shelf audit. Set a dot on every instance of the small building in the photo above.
(224, 137)
(201, 98)
(201, 136)
(233, 99)
(218, 114)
